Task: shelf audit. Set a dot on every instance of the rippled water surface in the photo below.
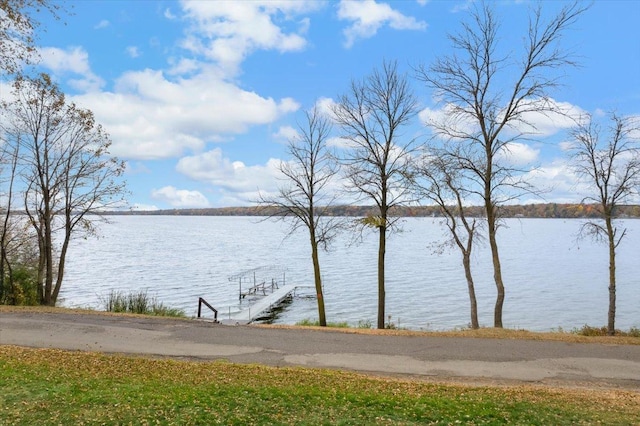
(551, 279)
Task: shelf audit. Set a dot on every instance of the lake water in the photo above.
(551, 279)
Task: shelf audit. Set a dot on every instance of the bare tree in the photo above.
(66, 172)
(377, 160)
(18, 24)
(304, 200)
(609, 161)
(438, 180)
(489, 99)
(8, 165)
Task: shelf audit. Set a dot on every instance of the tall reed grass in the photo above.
(138, 303)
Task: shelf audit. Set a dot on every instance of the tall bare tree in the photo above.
(438, 180)
(609, 161)
(67, 175)
(19, 21)
(377, 160)
(489, 98)
(8, 166)
(304, 198)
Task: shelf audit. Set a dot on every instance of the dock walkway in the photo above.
(261, 305)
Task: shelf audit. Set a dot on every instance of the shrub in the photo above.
(634, 332)
(587, 330)
(138, 303)
(20, 288)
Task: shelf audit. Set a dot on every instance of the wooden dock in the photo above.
(262, 304)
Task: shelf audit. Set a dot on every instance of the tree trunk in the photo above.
(41, 266)
(318, 281)
(381, 292)
(497, 269)
(466, 261)
(3, 257)
(48, 252)
(61, 265)
(611, 324)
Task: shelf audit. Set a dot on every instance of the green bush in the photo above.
(138, 303)
(20, 288)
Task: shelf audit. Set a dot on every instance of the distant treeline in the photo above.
(549, 210)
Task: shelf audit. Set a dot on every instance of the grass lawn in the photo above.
(54, 387)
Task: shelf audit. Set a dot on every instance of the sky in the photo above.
(201, 97)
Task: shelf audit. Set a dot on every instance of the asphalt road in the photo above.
(431, 358)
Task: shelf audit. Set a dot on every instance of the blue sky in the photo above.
(200, 97)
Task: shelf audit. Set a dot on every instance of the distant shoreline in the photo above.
(548, 210)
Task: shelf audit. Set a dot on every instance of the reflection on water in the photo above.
(551, 280)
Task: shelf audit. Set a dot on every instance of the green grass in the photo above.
(51, 387)
(362, 325)
(315, 323)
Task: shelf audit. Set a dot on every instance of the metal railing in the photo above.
(201, 302)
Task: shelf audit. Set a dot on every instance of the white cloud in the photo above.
(153, 114)
(518, 154)
(450, 117)
(227, 31)
(230, 176)
(634, 134)
(560, 179)
(6, 89)
(549, 123)
(368, 16)
(102, 24)
(149, 116)
(304, 25)
(237, 183)
(168, 14)
(136, 168)
(541, 123)
(342, 143)
(599, 112)
(183, 66)
(462, 6)
(567, 145)
(144, 207)
(326, 106)
(133, 51)
(180, 198)
(286, 134)
(74, 60)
